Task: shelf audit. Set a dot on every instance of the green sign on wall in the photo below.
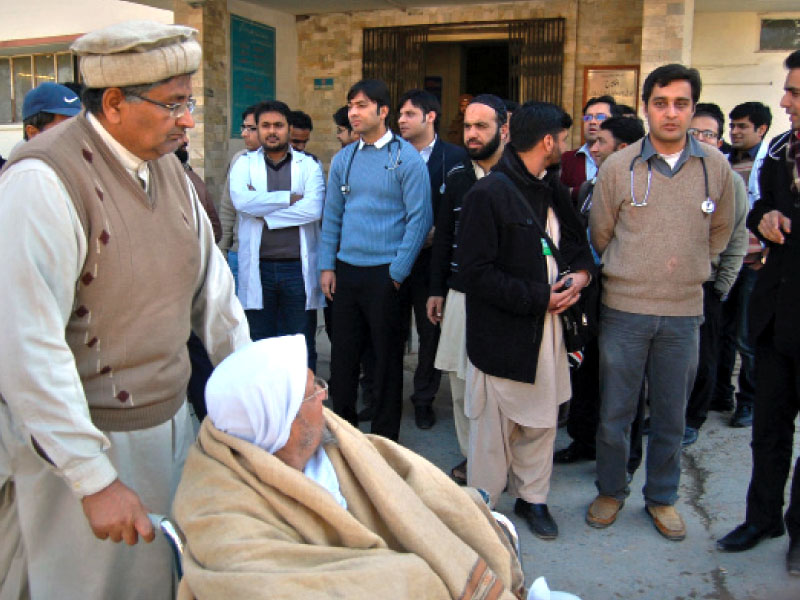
(252, 67)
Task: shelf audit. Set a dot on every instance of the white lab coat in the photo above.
(255, 206)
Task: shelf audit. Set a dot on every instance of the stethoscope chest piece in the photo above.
(708, 206)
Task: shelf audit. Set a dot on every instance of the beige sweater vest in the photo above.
(131, 313)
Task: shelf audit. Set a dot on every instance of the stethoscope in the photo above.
(778, 145)
(707, 206)
(391, 166)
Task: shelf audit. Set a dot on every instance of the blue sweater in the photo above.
(387, 214)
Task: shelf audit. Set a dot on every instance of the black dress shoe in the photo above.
(424, 416)
(538, 518)
(690, 435)
(746, 536)
(743, 416)
(793, 558)
(575, 452)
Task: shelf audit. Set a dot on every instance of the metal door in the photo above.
(536, 59)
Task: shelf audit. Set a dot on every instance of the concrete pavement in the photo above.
(630, 560)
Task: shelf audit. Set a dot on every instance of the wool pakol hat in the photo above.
(136, 53)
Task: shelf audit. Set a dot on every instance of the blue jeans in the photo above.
(666, 349)
(284, 293)
(233, 263)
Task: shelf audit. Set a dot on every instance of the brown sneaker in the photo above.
(668, 522)
(603, 511)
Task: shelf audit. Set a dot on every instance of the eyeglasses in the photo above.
(599, 117)
(250, 128)
(176, 111)
(320, 387)
(703, 133)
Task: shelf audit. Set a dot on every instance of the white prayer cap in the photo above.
(136, 52)
(256, 392)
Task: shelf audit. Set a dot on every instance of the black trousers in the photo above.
(367, 358)
(706, 378)
(584, 406)
(775, 408)
(414, 294)
(201, 371)
(367, 309)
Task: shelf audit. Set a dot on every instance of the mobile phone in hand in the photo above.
(567, 284)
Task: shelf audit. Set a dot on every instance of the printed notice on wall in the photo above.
(620, 82)
(252, 67)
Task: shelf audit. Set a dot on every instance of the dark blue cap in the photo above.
(52, 98)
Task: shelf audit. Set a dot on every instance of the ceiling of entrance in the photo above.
(310, 7)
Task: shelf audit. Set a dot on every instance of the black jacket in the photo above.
(504, 271)
(444, 270)
(776, 296)
(444, 157)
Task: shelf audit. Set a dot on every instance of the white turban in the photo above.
(255, 393)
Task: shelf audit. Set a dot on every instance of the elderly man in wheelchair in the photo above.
(280, 497)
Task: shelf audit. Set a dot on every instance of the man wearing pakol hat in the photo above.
(108, 261)
(282, 497)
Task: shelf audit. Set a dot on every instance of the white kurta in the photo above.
(41, 393)
(512, 423)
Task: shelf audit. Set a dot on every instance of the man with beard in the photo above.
(278, 193)
(418, 121)
(579, 165)
(280, 494)
(485, 126)
(525, 260)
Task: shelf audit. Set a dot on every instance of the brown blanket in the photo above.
(257, 528)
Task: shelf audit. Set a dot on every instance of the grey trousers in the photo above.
(13, 568)
(666, 349)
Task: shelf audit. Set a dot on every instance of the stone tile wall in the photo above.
(609, 33)
(208, 141)
(667, 27)
(330, 46)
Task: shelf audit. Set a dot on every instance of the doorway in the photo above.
(469, 67)
(519, 60)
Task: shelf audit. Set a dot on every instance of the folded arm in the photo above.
(256, 203)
